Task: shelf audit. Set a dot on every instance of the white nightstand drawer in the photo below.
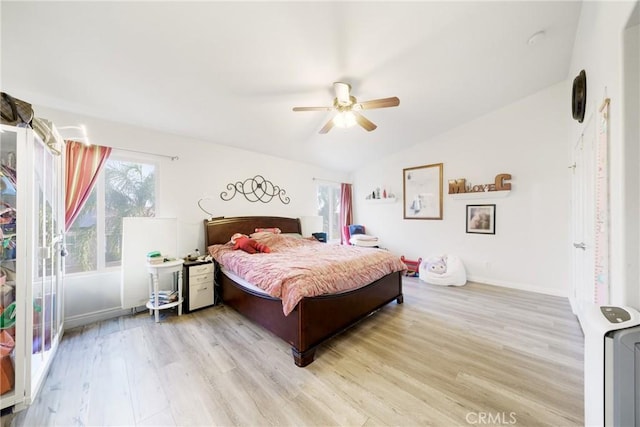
(201, 295)
(200, 279)
(200, 290)
(200, 269)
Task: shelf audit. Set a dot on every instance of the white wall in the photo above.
(527, 140)
(631, 94)
(599, 50)
(203, 169)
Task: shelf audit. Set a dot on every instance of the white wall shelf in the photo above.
(379, 201)
(480, 195)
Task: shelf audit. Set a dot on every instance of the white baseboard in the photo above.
(520, 286)
(574, 305)
(97, 316)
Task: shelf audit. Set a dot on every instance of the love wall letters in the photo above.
(458, 186)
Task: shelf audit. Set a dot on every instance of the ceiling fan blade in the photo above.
(312, 108)
(379, 103)
(327, 127)
(342, 92)
(367, 124)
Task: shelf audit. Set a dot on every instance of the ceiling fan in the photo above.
(348, 109)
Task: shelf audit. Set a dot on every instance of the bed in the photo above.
(307, 326)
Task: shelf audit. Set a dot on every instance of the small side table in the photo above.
(155, 270)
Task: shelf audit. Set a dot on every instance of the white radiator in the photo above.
(140, 236)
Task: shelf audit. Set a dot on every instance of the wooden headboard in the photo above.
(220, 230)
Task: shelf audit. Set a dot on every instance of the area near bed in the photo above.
(318, 309)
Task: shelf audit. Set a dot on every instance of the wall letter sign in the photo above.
(459, 186)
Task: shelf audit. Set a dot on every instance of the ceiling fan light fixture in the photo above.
(347, 109)
(344, 119)
(342, 90)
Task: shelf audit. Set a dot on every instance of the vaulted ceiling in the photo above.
(230, 72)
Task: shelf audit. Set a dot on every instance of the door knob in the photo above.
(580, 245)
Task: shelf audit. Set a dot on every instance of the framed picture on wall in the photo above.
(422, 192)
(481, 219)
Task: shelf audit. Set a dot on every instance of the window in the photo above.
(329, 209)
(125, 188)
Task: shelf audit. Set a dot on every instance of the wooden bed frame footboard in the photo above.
(315, 319)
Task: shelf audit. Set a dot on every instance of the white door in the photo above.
(46, 320)
(582, 218)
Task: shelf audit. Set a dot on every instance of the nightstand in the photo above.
(199, 285)
(157, 299)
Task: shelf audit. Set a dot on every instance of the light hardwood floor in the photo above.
(474, 355)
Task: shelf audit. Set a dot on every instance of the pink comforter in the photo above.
(298, 268)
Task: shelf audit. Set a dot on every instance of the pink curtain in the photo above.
(83, 164)
(346, 212)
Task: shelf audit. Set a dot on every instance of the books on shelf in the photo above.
(164, 297)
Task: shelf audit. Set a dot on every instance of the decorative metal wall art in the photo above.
(256, 189)
(202, 208)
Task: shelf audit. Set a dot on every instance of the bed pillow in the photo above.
(250, 246)
(294, 235)
(261, 235)
(356, 229)
(274, 230)
(276, 241)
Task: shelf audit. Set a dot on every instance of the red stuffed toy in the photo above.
(250, 246)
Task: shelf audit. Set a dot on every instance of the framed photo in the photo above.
(422, 192)
(481, 219)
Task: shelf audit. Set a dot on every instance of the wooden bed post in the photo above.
(303, 358)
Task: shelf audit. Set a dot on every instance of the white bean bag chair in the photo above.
(445, 270)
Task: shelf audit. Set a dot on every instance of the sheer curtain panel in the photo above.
(346, 213)
(83, 164)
